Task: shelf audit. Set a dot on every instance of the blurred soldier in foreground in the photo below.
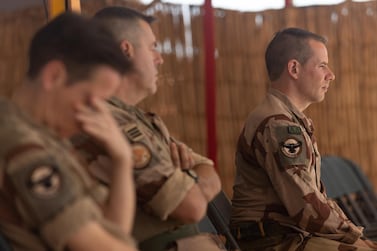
(173, 184)
(279, 202)
(47, 199)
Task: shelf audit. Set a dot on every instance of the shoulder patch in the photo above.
(44, 185)
(290, 146)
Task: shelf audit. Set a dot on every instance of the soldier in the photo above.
(279, 202)
(173, 184)
(47, 199)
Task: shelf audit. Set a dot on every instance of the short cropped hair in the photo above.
(287, 44)
(123, 22)
(82, 44)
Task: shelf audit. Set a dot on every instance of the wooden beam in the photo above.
(56, 7)
(74, 5)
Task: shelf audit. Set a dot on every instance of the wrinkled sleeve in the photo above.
(286, 152)
(196, 157)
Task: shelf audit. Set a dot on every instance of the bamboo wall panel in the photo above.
(346, 122)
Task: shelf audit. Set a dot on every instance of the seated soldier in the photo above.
(173, 184)
(47, 199)
(279, 202)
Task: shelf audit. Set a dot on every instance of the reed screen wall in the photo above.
(346, 122)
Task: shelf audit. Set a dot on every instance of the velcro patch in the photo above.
(294, 130)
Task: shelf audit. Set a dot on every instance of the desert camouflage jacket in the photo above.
(278, 173)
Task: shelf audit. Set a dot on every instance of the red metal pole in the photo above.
(288, 3)
(210, 80)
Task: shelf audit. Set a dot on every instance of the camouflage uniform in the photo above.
(160, 186)
(279, 200)
(45, 195)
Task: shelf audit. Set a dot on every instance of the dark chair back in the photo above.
(350, 188)
(4, 245)
(217, 220)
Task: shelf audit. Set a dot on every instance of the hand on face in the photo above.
(97, 121)
(181, 156)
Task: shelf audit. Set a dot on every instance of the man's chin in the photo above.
(153, 90)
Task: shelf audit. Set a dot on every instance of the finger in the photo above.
(93, 130)
(89, 123)
(183, 154)
(99, 105)
(191, 160)
(174, 154)
(104, 160)
(83, 109)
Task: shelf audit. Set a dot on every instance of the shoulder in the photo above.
(16, 128)
(270, 113)
(122, 113)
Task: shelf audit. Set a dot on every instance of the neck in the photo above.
(31, 101)
(130, 92)
(28, 99)
(292, 93)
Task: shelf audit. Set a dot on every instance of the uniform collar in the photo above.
(146, 118)
(306, 122)
(120, 104)
(284, 98)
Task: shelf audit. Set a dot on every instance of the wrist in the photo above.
(123, 162)
(193, 174)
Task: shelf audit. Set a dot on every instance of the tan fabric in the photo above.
(203, 242)
(148, 225)
(59, 229)
(160, 187)
(278, 174)
(164, 205)
(44, 190)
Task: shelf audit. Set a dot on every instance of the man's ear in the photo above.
(127, 48)
(294, 68)
(53, 74)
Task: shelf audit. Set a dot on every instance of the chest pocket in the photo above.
(142, 149)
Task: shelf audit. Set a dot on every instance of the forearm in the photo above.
(193, 208)
(93, 237)
(209, 181)
(311, 209)
(120, 206)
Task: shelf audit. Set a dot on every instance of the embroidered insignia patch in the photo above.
(291, 147)
(45, 181)
(141, 155)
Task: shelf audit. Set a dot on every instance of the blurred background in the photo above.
(346, 122)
